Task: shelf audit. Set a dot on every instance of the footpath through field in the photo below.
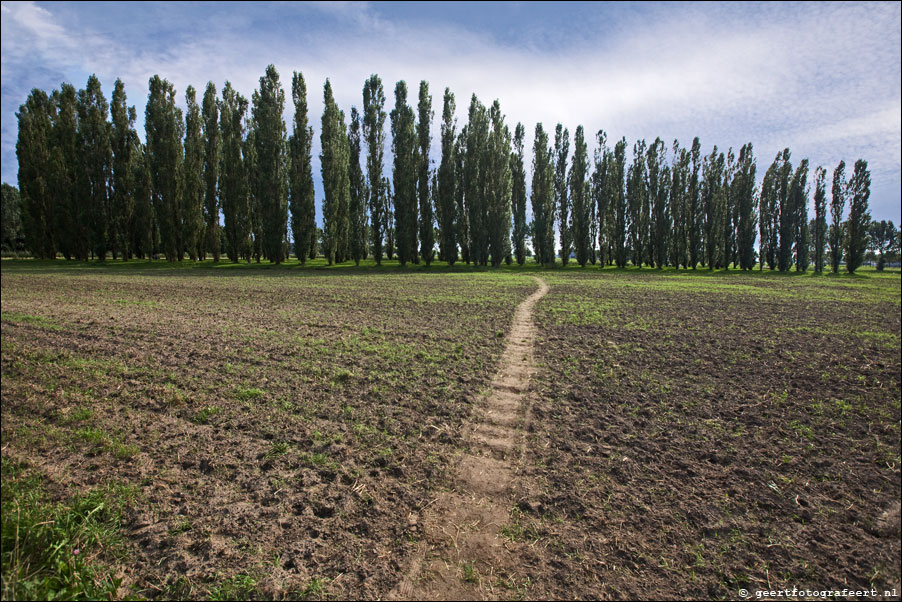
(464, 554)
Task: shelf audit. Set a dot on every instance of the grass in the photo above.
(62, 549)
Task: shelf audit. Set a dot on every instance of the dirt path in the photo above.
(463, 553)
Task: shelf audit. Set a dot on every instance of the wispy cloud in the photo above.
(823, 79)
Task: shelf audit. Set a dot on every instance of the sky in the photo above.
(824, 80)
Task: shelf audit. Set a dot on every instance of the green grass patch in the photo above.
(59, 549)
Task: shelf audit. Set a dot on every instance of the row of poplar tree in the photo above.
(90, 187)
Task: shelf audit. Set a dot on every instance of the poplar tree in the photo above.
(518, 195)
(71, 220)
(837, 208)
(210, 239)
(619, 204)
(694, 207)
(300, 177)
(769, 216)
(233, 184)
(96, 154)
(251, 169)
(404, 176)
(336, 185)
(859, 216)
(636, 189)
(785, 215)
(33, 153)
(357, 197)
(446, 209)
(374, 133)
(270, 143)
(424, 140)
(820, 218)
(164, 131)
(193, 187)
(13, 240)
(462, 225)
(743, 187)
(122, 141)
(498, 187)
(561, 199)
(143, 221)
(581, 204)
(542, 197)
(601, 193)
(799, 206)
(712, 179)
(474, 172)
(679, 206)
(658, 193)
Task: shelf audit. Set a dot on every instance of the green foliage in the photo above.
(33, 153)
(498, 187)
(300, 175)
(357, 205)
(859, 216)
(336, 186)
(837, 208)
(193, 187)
(95, 152)
(475, 140)
(542, 198)
(581, 203)
(424, 140)
(13, 240)
(404, 175)
(164, 130)
(233, 184)
(637, 199)
(374, 134)
(518, 195)
(123, 142)
(212, 152)
(271, 145)
(743, 189)
(445, 206)
(561, 198)
(56, 550)
(820, 219)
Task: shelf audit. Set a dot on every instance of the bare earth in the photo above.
(464, 554)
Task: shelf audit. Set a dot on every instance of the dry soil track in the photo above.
(463, 554)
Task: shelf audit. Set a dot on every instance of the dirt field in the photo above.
(313, 434)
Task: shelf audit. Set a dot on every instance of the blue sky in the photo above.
(824, 80)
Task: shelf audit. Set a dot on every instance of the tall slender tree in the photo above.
(561, 198)
(744, 189)
(542, 197)
(600, 193)
(785, 215)
(837, 209)
(446, 208)
(144, 222)
(859, 215)
(71, 220)
(580, 203)
(211, 238)
(357, 199)
(33, 153)
(93, 139)
(695, 208)
(233, 184)
(122, 187)
(799, 206)
(164, 131)
(270, 145)
(820, 218)
(336, 185)
(619, 205)
(424, 141)
(374, 134)
(193, 187)
(301, 199)
(636, 190)
(462, 229)
(498, 187)
(518, 195)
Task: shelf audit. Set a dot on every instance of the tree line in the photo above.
(227, 175)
